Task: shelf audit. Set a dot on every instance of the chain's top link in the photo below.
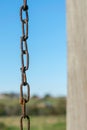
(24, 68)
(24, 9)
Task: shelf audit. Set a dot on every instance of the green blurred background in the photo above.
(46, 113)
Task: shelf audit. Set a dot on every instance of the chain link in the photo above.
(25, 65)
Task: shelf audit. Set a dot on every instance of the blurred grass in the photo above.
(37, 123)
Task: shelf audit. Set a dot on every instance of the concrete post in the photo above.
(77, 64)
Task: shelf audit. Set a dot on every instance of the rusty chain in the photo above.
(25, 66)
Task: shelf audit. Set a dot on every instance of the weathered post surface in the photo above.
(77, 64)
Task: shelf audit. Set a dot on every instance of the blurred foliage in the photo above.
(48, 105)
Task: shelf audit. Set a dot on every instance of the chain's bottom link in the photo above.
(28, 122)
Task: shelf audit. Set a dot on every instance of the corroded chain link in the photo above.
(25, 64)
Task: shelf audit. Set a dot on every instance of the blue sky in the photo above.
(47, 47)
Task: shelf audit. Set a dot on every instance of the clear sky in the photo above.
(47, 47)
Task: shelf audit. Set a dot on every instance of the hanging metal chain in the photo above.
(25, 64)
